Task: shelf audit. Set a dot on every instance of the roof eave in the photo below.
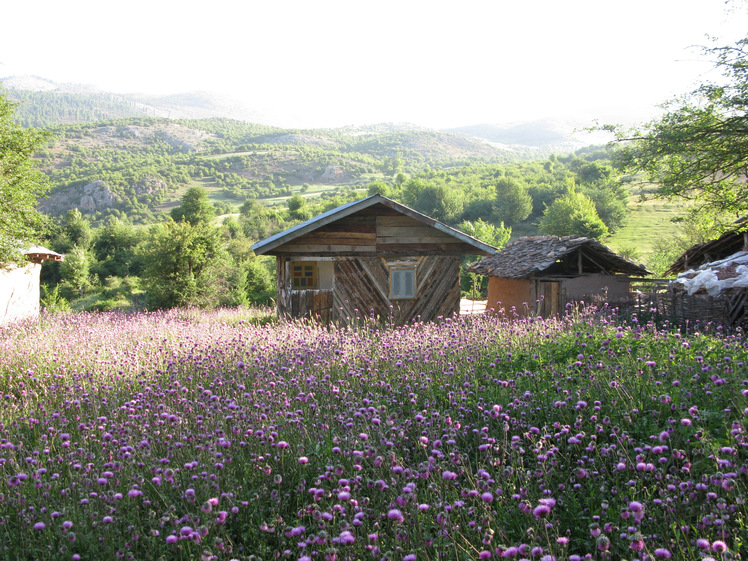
(269, 244)
(294, 232)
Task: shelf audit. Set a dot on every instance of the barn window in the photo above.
(402, 283)
(304, 275)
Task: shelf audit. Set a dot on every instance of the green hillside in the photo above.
(139, 167)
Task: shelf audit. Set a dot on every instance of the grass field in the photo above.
(648, 222)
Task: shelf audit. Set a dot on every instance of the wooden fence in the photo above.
(663, 298)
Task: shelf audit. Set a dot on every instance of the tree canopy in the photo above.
(573, 214)
(195, 207)
(698, 149)
(21, 184)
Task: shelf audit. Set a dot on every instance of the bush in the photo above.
(260, 281)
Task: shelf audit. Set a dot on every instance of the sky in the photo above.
(350, 62)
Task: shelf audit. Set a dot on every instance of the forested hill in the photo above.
(127, 155)
(141, 166)
(43, 103)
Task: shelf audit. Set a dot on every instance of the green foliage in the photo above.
(697, 150)
(75, 232)
(52, 301)
(380, 188)
(497, 236)
(184, 266)
(437, 201)
(574, 213)
(513, 202)
(260, 280)
(76, 270)
(611, 204)
(668, 249)
(41, 109)
(115, 249)
(21, 184)
(195, 207)
(298, 209)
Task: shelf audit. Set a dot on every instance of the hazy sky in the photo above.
(331, 63)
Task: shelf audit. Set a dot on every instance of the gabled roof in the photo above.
(531, 256)
(347, 209)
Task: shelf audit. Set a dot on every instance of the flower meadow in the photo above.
(217, 436)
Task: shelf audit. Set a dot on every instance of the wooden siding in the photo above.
(312, 304)
(361, 288)
(375, 230)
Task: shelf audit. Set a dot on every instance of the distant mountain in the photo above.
(44, 103)
(542, 137)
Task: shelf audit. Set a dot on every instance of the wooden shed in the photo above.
(730, 242)
(540, 275)
(19, 286)
(372, 256)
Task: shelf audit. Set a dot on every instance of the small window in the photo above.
(402, 283)
(304, 275)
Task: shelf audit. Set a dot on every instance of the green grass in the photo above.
(649, 221)
(312, 192)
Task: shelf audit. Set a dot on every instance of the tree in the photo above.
(698, 150)
(115, 249)
(494, 235)
(513, 202)
(574, 213)
(195, 207)
(379, 188)
(295, 202)
(439, 201)
(21, 184)
(611, 203)
(260, 280)
(76, 271)
(182, 266)
(75, 232)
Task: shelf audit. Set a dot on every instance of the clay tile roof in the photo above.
(530, 256)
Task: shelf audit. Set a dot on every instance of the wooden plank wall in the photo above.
(375, 230)
(362, 284)
(312, 304)
(362, 288)
(365, 245)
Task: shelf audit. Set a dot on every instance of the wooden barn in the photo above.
(540, 275)
(372, 256)
(19, 286)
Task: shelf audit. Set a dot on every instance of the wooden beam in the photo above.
(603, 270)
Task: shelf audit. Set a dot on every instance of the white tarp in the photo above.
(717, 276)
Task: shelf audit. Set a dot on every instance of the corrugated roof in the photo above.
(347, 209)
(531, 256)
